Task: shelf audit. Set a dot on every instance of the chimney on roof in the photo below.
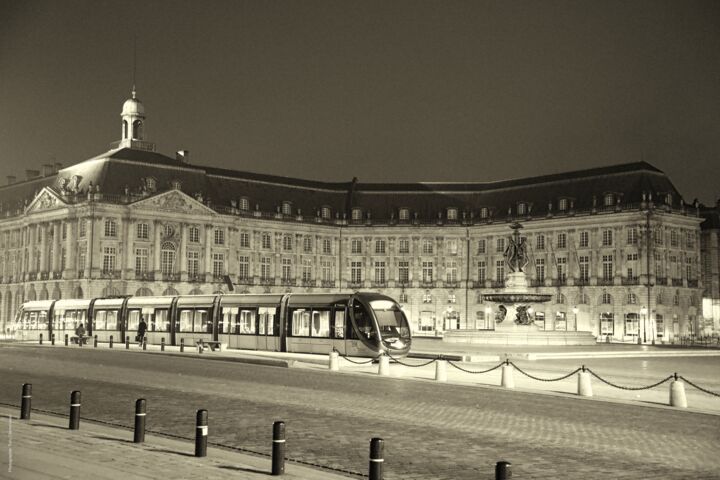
(47, 169)
(30, 174)
(183, 156)
(11, 179)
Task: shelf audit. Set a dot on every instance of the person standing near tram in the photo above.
(142, 328)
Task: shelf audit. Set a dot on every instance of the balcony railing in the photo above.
(631, 280)
(677, 282)
(146, 276)
(267, 281)
(605, 281)
(32, 276)
(379, 284)
(245, 280)
(328, 284)
(661, 281)
(693, 283)
(537, 282)
(288, 282)
(497, 284)
(355, 285)
(171, 277)
(44, 275)
(196, 277)
(307, 283)
(454, 284)
(57, 275)
(110, 274)
(559, 282)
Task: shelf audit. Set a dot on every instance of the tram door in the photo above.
(268, 329)
(338, 331)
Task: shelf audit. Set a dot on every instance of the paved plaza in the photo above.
(455, 430)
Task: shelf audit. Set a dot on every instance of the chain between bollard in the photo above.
(696, 386)
(476, 371)
(397, 360)
(544, 379)
(621, 387)
(345, 357)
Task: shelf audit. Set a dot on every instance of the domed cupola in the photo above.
(133, 125)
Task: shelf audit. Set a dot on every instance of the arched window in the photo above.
(609, 199)
(31, 295)
(484, 212)
(125, 129)
(137, 130)
(404, 214)
(356, 214)
(176, 184)
(561, 298)
(170, 292)
(143, 292)
(452, 214)
(57, 293)
(659, 298)
(78, 292)
(522, 208)
(287, 208)
(244, 203)
(167, 258)
(583, 299)
(325, 213)
(606, 299)
(195, 291)
(632, 299)
(110, 291)
(563, 204)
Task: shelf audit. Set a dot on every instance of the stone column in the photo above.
(126, 253)
(208, 252)
(32, 244)
(90, 236)
(57, 250)
(130, 251)
(156, 250)
(43, 248)
(183, 252)
(70, 247)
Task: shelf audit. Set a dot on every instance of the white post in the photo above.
(507, 376)
(334, 361)
(584, 385)
(441, 370)
(677, 394)
(384, 365)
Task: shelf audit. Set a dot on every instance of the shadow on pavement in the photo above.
(114, 439)
(244, 469)
(163, 450)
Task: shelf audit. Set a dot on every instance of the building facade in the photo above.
(617, 247)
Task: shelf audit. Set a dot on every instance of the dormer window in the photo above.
(357, 214)
(175, 184)
(326, 213)
(404, 214)
(484, 212)
(452, 214)
(286, 208)
(563, 204)
(150, 184)
(609, 200)
(522, 208)
(668, 199)
(244, 203)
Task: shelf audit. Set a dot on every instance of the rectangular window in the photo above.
(632, 238)
(356, 272)
(286, 269)
(110, 228)
(356, 245)
(607, 324)
(82, 228)
(690, 240)
(427, 246)
(404, 272)
(452, 247)
(562, 240)
(326, 270)
(194, 234)
(540, 242)
(540, 269)
(607, 238)
(109, 257)
(287, 243)
(584, 239)
(560, 321)
(379, 246)
(327, 245)
(218, 264)
(584, 264)
(482, 271)
(562, 269)
(219, 236)
(244, 267)
(404, 246)
(266, 241)
(307, 244)
(481, 248)
(193, 262)
(306, 270)
(380, 272)
(451, 272)
(81, 259)
(141, 260)
(142, 231)
(265, 268)
(301, 322)
(674, 238)
(500, 245)
(632, 323)
(244, 240)
(500, 270)
(427, 272)
(607, 263)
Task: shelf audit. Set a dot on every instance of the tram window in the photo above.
(98, 323)
(161, 320)
(301, 323)
(262, 319)
(339, 330)
(321, 323)
(203, 321)
(186, 320)
(31, 321)
(271, 320)
(226, 318)
(362, 319)
(112, 320)
(133, 320)
(246, 322)
(42, 320)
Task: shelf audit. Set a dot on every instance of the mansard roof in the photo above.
(133, 172)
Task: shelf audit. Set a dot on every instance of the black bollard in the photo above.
(503, 470)
(95, 341)
(26, 401)
(140, 407)
(182, 345)
(75, 410)
(52, 339)
(377, 447)
(278, 448)
(111, 341)
(127, 343)
(201, 432)
(162, 344)
(41, 339)
(144, 343)
(66, 339)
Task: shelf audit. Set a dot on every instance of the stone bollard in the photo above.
(66, 339)
(162, 344)
(677, 393)
(503, 470)
(111, 341)
(201, 433)
(182, 345)
(75, 410)
(41, 339)
(377, 458)
(278, 449)
(440, 370)
(140, 414)
(584, 385)
(127, 343)
(52, 339)
(383, 365)
(26, 401)
(334, 361)
(95, 341)
(144, 343)
(507, 380)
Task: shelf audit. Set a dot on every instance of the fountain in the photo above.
(514, 316)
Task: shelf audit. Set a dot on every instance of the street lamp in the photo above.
(575, 312)
(643, 314)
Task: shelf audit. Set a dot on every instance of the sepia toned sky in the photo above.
(388, 91)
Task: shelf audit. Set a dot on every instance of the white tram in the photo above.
(352, 323)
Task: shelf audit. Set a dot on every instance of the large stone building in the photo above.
(616, 246)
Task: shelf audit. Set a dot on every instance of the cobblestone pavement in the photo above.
(432, 431)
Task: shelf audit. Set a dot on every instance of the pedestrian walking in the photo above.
(142, 328)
